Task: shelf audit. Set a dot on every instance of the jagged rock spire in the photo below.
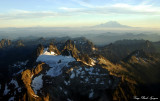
(53, 48)
(70, 49)
(39, 50)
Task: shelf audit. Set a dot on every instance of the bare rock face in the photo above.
(5, 43)
(39, 50)
(53, 48)
(70, 49)
(125, 91)
(35, 54)
(27, 77)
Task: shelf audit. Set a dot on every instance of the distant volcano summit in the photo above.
(112, 24)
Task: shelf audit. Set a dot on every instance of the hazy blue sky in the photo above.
(75, 13)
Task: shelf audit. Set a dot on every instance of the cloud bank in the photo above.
(119, 8)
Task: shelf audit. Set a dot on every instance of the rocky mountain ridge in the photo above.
(62, 71)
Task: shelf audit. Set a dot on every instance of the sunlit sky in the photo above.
(76, 13)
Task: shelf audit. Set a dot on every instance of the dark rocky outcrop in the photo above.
(115, 52)
(35, 54)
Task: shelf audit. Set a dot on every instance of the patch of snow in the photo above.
(25, 62)
(89, 69)
(6, 90)
(97, 73)
(20, 64)
(18, 72)
(80, 68)
(14, 92)
(52, 60)
(37, 83)
(109, 81)
(91, 93)
(48, 53)
(86, 79)
(97, 80)
(11, 99)
(69, 99)
(78, 71)
(54, 72)
(66, 83)
(65, 92)
(14, 82)
(19, 89)
(72, 75)
(60, 88)
(15, 65)
(102, 82)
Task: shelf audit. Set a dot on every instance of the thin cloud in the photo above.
(83, 3)
(71, 9)
(117, 9)
(136, 9)
(21, 14)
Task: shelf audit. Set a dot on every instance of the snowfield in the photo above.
(6, 90)
(91, 93)
(14, 82)
(37, 83)
(11, 99)
(56, 62)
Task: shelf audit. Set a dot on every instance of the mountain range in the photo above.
(74, 69)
